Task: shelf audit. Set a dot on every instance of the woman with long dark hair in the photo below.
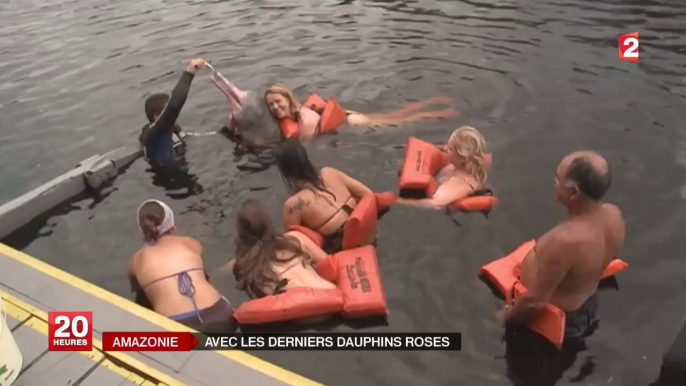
(268, 262)
(321, 199)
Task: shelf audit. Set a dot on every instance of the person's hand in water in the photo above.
(195, 65)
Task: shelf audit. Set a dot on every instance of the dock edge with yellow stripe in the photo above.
(240, 357)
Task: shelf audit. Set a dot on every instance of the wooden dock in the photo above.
(31, 288)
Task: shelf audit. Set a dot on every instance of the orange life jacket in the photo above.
(331, 114)
(504, 274)
(359, 292)
(360, 224)
(421, 162)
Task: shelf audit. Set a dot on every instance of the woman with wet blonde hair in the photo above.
(466, 172)
(293, 106)
(282, 104)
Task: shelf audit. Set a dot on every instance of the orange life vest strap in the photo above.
(332, 117)
(385, 199)
(289, 128)
(549, 322)
(504, 274)
(328, 268)
(361, 222)
(331, 114)
(475, 203)
(315, 103)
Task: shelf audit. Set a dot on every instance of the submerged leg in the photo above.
(411, 107)
(377, 120)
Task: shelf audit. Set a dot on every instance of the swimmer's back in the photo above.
(615, 232)
(297, 272)
(596, 239)
(321, 209)
(601, 236)
(170, 256)
(307, 122)
(300, 275)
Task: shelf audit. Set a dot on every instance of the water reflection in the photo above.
(533, 361)
(176, 179)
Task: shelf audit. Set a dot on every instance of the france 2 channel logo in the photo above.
(628, 47)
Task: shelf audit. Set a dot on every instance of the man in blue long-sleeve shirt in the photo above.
(157, 138)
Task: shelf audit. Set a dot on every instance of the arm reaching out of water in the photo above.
(167, 119)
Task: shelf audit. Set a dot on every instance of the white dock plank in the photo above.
(49, 293)
(206, 367)
(56, 368)
(58, 295)
(12, 322)
(31, 343)
(104, 377)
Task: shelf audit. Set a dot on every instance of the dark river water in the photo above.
(538, 78)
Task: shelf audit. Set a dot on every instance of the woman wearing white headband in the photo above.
(169, 271)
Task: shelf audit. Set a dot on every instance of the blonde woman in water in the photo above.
(283, 104)
(466, 172)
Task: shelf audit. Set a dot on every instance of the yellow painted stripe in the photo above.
(247, 360)
(42, 326)
(16, 312)
(39, 322)
(126, 374)
(148, 383)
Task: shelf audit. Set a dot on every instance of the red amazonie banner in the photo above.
(148, 341)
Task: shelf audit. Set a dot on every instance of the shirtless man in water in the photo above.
(565, 266)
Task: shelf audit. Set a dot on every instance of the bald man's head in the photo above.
(589, 172)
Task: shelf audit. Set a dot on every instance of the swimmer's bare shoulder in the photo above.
(563, 237)
(133, 261)
(191, 243)
(328, 173)
(613, 212)
(307, 245)
(617, 226)
(132, 268)
(297, 202)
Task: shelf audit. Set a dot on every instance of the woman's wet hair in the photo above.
(471, 145)
(150, 217)
(295, 166)
(257, 243)
(154, 105)
(283, 90)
